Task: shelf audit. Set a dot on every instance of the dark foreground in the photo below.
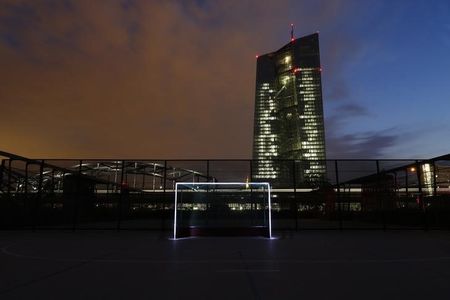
(302, 265)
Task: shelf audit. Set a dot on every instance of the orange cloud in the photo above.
(144, 79)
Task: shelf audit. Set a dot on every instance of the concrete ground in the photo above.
(300, 265)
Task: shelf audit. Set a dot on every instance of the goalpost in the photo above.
(222, 208)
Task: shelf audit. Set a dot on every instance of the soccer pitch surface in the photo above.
(294, 265)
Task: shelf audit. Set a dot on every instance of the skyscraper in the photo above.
(289, 113)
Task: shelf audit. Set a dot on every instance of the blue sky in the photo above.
(396, 72)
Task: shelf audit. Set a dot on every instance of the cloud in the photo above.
(144, 78)
(342, 114)
(358, 144)
(351, 109)
(365, 145)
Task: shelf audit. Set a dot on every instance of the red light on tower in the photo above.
(257, 55)
(292, 32)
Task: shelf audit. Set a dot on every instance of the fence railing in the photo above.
(139, 194)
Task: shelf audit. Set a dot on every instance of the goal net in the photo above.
(222, 209)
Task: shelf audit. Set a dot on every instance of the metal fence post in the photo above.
(436, 221)
(338, 198)
(9, 178)
(406, 185)
(163, 219)
(252, 203)
(434, 180)
(77, 196)
(38, 196)
(420, 196)
(121, 194)
(25, 200)
(381, 201)
(294, 182)
(2, 168)
(53, 188)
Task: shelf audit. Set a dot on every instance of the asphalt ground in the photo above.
(293, 265)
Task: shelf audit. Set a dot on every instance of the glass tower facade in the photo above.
(288, 119)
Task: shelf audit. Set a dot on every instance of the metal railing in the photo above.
(138, 194)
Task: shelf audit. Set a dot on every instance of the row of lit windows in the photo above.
(267, 168)
(310, 92)
(265, 136)
(309, 116)
(265, 114)
(313, 129)
(266, 176)
(266, 103)
(309, 89)
(314, 149)
(262, 139)
(311, 142)
(319, 167)
(265, 146)
(309, 85)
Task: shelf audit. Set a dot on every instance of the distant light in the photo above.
(320, 69)
(257, 55)
(292, 24)
(292, 39)
(296, 70)
(412, 169)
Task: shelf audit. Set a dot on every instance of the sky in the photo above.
(176, 79)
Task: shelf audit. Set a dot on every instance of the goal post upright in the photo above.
(244, 184)
(175, 212)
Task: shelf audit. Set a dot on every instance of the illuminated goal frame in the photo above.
(245, 184)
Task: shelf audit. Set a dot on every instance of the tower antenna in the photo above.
(292, 32)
